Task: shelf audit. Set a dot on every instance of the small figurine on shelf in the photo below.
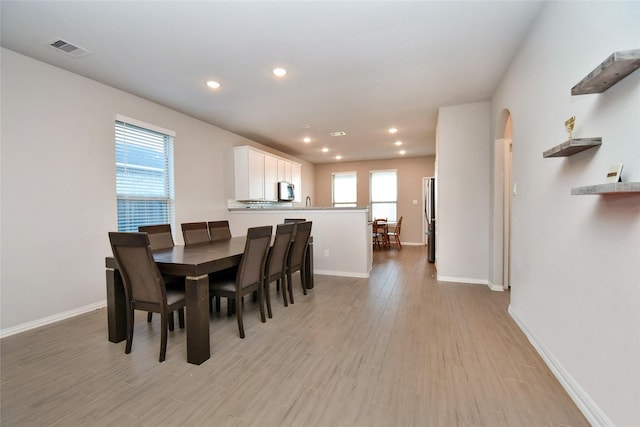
(569, 124)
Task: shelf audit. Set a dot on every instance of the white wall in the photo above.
(463, 186)
(575, 259)
(58, 185)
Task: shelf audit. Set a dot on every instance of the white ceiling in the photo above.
(353, 66)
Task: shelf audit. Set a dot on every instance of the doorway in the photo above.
(504, 190)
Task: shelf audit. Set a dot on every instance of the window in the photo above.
(384, 194)
(144, 175)
(345, 193)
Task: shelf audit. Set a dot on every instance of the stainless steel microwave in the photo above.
(286, 191)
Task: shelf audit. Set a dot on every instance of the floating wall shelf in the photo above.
(613, 69)
(572, 146)
(610, 188)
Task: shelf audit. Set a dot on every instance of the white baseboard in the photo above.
(494, 287)
(583, 401)
(341, 273)
(463, 280)
(51, 319)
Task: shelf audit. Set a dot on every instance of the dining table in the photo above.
(194, 263)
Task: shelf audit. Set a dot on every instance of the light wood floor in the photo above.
(398, 349)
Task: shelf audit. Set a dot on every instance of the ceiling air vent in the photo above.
(68, 48)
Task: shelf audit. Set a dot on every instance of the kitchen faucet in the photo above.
(307, 202)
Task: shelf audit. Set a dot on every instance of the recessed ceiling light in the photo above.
(213, 84)
(279, 72)
(338, 157)
(398, 143)
(325, 149)
(402, 152)
(393, 130)
(307, 139)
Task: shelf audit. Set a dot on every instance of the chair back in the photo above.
(159, 235)
(398, 226)
(219, 230)
(279, 251)
(142, 279)
(293, 220)
(251, 268)
(300, 242)
(195, 232)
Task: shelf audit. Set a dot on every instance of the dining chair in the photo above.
(250, 276)
(160, 237)
(143, 284)
(393, 237)
(195, 232)
(219, 230)
(297, 253)
(379, 229)
(293, 220)
(275, 268)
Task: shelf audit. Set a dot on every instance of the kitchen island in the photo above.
(341, 236)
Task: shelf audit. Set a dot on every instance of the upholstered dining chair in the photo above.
(160, 237)
(219, 230)
(297, 255)
(393, 237)
(250, 274)
(275, 268)
(195, 232)
(143, 284)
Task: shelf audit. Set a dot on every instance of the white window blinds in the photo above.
(144, 176)
(384, 194)
(345, 191)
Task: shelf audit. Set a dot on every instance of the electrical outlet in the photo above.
(326, 253)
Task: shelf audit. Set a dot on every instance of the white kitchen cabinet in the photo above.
(249, 165)
(257, 174)
(284, 171)
(270, 178)
(296, 180)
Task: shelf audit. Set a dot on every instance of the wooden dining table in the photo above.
(194, 263)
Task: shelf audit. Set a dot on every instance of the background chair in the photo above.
(379, 229)
(160, 237)
(293, 220)
(393, 237)
(275, 268)
(144, 285)
(219, 230)
(250, 273)
(297, 254)
(195, 232)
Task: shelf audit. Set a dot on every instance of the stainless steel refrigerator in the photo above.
(430, 216)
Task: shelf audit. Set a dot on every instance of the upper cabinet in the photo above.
(257, 174)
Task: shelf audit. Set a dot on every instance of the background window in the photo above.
(144, 176)
(345, 193)
(384, 194)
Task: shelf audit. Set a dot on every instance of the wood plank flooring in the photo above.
(398, 349)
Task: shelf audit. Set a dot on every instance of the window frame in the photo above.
(353, 203)
(125, 200)
(394, 202)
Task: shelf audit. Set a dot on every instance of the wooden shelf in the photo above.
(610, 188)
(613, 69)
(572, 146)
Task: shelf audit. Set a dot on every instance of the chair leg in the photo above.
(290, 287)
(303, 282)
(130, 320)
(170, 320)
(217, 304)
(284, 290)
(267, 291)
(230, 303)
(163, 336)
(239, 316)
(181, 318)
(149, 316)
(261, 302)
